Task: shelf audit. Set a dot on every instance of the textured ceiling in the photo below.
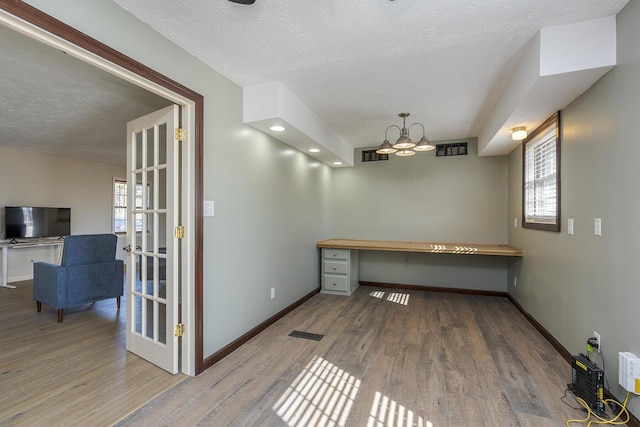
(56, 104)
(358, 63)
(355, 63)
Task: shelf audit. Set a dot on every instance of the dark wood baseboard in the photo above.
(434, 289)
(234, 345)
(554, 342)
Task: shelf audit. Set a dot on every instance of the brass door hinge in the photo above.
(181, 134)
(179, 232)
(179, 330)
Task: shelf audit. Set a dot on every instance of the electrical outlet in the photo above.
(273, 293)
(597, 335)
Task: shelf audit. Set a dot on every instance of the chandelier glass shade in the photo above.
(404, 146)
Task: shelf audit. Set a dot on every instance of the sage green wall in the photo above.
(270, 202)
(428, 198)
(575, 285)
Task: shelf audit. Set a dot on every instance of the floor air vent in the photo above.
(306, 335)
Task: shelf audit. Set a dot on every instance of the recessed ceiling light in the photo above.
(337, 163)
(277, 128)
(314, 150)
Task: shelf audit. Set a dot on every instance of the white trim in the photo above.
(188, 147)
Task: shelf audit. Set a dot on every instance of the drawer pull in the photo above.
(334, 268)
(335, 284)
(335, 254)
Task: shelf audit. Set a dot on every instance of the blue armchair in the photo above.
(89, 272)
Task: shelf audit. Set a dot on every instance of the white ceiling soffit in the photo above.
(270, 104)
(558, 65)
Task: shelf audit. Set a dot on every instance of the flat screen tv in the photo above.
(28, 222)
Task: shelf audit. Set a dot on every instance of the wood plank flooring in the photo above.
(439, 360)
(76, 373)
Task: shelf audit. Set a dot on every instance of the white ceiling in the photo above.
(356, 64)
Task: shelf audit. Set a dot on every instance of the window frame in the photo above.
(530, 141)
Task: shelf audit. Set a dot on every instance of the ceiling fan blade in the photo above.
(243, 1)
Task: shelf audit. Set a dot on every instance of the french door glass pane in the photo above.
(138, 150)
(150, 147)
(137, 315)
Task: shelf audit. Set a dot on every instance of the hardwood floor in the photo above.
(72, 373)
(388, 357)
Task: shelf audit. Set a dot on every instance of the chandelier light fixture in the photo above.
(404, 146)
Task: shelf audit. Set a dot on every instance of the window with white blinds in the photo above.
(541, 177)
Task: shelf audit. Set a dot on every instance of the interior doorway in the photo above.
(25, 19)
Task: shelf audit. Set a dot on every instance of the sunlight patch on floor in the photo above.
(322, 395)
(398, 298)
(387, 412)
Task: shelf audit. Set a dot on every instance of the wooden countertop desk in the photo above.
(427, 247)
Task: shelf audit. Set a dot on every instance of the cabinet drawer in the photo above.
(336, 267)
(336, 253)
(336, 283)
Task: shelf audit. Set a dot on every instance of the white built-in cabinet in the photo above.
(339, 271)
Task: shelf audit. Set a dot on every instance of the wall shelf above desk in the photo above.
(426, 247)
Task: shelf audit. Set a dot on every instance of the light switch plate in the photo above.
(570, 226)
(208, 208)
(597, 226)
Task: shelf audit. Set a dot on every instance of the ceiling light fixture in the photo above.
(277, 128)
(519, 133)
(404, 146)
(314, 150)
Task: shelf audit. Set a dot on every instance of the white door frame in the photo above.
(188, 213)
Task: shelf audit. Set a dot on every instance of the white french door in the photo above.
(153, 250)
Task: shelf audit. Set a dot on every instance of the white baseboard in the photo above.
(19, 278)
